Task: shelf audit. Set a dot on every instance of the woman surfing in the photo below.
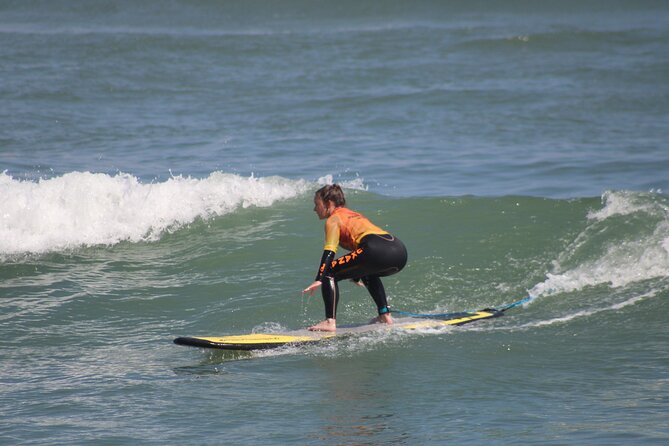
(374, 253)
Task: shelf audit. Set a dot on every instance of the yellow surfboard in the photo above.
(263, 341)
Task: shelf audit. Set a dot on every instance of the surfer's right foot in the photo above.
(385, 318)
(326, 325)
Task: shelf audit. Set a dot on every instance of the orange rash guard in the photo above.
(346, 228)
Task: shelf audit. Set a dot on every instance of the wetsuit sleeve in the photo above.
(326, 265)
(332, 234)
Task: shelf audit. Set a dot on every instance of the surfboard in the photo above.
(264, 341)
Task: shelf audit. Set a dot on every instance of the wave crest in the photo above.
(626, 241)
(87, 209)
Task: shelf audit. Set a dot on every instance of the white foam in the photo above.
(356, 183)
(586, 313)
(622, 203)
(622, 262)
(87, 209)
(621, 265)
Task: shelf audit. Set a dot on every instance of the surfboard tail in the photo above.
(255, 341)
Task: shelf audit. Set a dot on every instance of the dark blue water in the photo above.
(485, 99)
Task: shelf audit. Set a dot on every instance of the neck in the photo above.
(331, 209)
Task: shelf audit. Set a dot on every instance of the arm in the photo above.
(323, 271)
(329, 252)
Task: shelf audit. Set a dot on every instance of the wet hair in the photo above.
(333, 193)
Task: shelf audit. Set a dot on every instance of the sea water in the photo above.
(157, 167)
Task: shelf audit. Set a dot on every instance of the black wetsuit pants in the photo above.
(377, 256)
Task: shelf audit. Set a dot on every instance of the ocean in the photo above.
(158, 161)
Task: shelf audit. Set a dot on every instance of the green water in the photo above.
(87, 354)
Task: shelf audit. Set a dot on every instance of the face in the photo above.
(323, 209)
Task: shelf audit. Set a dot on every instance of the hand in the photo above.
(311, 288)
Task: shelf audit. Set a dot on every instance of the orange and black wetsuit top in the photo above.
(346, 228)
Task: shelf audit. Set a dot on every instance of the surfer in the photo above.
(374, 253)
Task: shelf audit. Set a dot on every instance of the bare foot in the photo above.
(382, 319)
(326, 325)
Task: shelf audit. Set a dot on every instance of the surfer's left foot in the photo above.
(382, 319)
(326, 325)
